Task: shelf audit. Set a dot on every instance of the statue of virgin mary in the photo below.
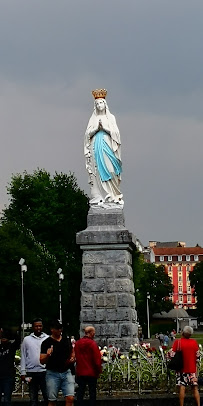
(102, 151)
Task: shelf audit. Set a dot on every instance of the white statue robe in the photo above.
(103, 190)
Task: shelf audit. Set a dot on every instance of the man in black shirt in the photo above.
(8, 347)
(58, 355)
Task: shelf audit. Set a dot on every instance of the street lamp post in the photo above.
(148, 329)
(61, 277)
(177, 321)
(23, 268)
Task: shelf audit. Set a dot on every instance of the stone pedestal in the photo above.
(107, 289)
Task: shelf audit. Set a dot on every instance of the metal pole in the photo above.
(60, 307)
(148, 329)
(23, 308)
(61, 277)
(23, 268)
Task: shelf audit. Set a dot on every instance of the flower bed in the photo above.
(140, 370)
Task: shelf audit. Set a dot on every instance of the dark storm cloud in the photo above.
(147, 48)
(147, 53)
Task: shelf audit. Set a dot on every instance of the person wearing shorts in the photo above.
(58, 355)
(188, 375)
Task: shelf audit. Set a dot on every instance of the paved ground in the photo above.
(155, 343)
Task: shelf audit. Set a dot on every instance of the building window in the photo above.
(196, 258)
(187, 257)
(189, 288)
(179, 276)
(170, 274)
(179, 268)
(161, 258)
(170, 258)
(188, 268)
(169, 268)
(180, 288)
(180, 298)
(189, 298)
(180, 258)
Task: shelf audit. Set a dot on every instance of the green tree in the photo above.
(151, 279)
(16, 244)
(196, 281)
(46, 213)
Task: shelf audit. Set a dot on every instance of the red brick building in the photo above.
(179, 261)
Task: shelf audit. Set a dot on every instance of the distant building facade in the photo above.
(178, 261)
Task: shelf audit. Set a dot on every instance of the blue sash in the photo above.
(101, 148)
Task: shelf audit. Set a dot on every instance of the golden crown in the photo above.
(99, 93)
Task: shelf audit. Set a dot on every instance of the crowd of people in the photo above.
(56, 362)
(51, 363)
(164, 339)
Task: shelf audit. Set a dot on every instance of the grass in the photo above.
(198, 336)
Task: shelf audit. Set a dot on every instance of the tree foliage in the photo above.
(40, 225)
(196, 281)
(151, 279)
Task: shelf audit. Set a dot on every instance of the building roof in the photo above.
(162, 315)
(167, 244)
(178, 250)
(172, 314)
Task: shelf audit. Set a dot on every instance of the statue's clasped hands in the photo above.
(100, 125)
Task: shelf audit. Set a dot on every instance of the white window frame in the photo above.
(189, 299)
(169, 258)
(180, 258)
(196, 258)
(187, 258)
(161, 258)
(180, 298)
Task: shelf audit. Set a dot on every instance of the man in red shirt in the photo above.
(188, 375)
(88, 365)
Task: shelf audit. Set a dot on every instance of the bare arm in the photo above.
(44, 357)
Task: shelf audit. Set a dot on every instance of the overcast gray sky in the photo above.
(148, 55)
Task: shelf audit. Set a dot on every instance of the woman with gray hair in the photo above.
(188, 375)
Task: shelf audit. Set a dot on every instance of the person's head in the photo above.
(37, 326)
(4, 335)
(187, 331)
(56, 328)
(100, 105)
(89, 331)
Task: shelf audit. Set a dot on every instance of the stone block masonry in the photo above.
(107, 288)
